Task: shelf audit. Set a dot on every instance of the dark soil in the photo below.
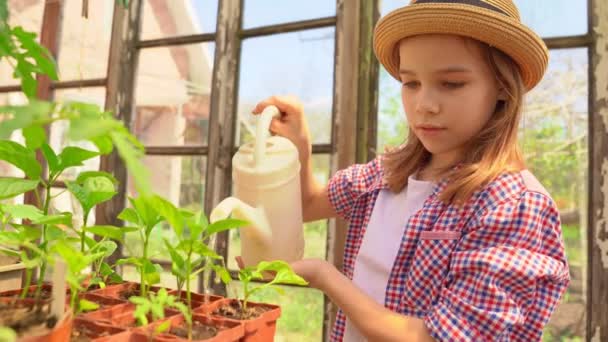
(81, 334)
(128, 293)
(235, 311)
(26, 320)
(44, 294)
(200, 331)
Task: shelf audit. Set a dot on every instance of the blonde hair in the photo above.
(491, 152)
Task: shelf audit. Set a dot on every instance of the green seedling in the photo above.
(191, 255)
(283, 274)
(154, 305)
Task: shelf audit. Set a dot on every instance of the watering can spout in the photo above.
(258, 228)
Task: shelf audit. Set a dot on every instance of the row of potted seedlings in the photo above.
(95, 304)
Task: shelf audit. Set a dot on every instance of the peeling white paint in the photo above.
(600, 225)
(596, 336)
(601, 69)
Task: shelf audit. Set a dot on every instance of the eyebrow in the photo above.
(448, 70)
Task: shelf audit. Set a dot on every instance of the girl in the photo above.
(450, 237)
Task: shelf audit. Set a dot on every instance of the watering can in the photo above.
(267, 194)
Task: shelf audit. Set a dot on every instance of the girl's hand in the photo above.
(292, 123)
(313, 271)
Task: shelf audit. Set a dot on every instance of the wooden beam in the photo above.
(345, 103)
(289, 27)
(94, 82)
(222, 122)
(122, 68)
(597, 259)
(181, 40)
(49, 38)
(568, 42)
(367, 96)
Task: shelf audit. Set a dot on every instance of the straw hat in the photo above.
(495, 22)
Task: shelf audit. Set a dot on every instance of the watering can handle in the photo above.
(262, 131)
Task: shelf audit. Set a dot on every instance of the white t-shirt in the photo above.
(382, 240)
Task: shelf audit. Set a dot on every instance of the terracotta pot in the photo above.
(259, 329)
(103, 302)
(31, 291)
(119, 315)
(96, 332)
(198, 300)
(114, 291)
(228, 331)
(127, 336)
(60, 332)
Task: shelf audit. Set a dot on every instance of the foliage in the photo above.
(155, 305)
(283, 274)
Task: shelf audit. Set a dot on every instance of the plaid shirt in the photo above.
(493, 269)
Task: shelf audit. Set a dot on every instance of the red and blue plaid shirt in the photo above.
(492, 269)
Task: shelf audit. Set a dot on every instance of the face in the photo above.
(448, 91)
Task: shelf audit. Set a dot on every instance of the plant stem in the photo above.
(143, 290)
(83, 231)
(188, 296)
(28, 281)
(45, 211)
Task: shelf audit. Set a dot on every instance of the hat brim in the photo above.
(507, 34)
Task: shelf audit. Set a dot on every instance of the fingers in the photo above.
(285, 104)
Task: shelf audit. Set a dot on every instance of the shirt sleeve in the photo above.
(346, 185)
(507, 275)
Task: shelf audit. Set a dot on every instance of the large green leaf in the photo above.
(167, 210)
(20, 156)
(51, 157)
(11, 187)
(92, 190)
(35, 136)
(111, 232)
(22, 211)
(146, 211)
(43, 58)
(13, 118)
(63, 218)
(224, 225)
(74, 156)
(129, 215)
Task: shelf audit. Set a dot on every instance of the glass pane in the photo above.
(270, 12)
(180, 180)
(27, 14)
(301, 311)
(62, 200)
(315, 233)
(392, 124)
(548, 18)
(85, 42)
(302, 64)
(554, 136)
(554, 18)
(162, 18)
(173, 95)
(58, 136)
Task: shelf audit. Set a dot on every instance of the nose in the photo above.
(428, 102)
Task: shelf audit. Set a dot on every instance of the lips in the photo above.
(430, 129)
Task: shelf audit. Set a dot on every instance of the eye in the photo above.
(453, 85)
(411, 84)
